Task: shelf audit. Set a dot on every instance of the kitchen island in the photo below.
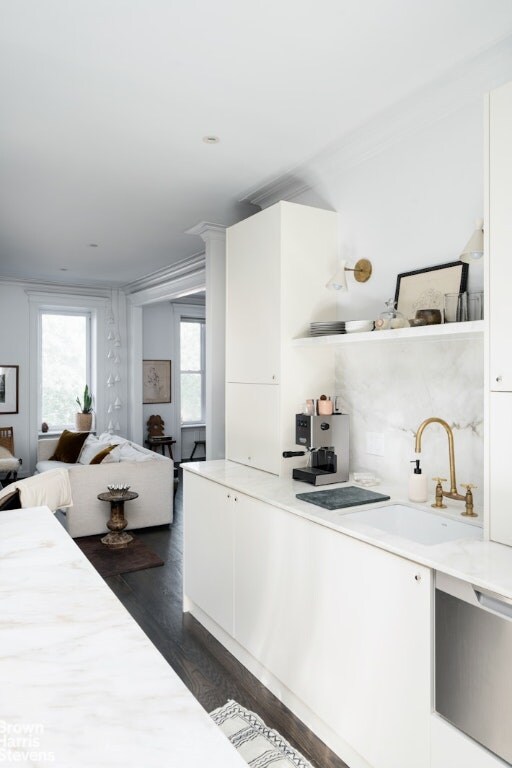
(82, 685)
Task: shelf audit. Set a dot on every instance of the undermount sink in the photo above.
(415, 524)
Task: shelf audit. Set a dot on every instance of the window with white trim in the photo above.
(192, 373)
(65, 365)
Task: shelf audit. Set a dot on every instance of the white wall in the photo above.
(410, 204)
(161, 342)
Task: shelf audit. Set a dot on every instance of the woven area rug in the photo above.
(259, 746)
(111, 562)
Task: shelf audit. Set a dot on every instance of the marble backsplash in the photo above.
(390, 387)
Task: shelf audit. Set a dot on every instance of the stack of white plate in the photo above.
(340, 326)
(326, 328)
(354, 326)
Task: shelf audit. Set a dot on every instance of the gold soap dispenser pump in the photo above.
(417, 484)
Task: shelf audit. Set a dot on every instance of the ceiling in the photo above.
(105, 103)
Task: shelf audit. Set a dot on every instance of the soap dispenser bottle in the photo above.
(417, 484)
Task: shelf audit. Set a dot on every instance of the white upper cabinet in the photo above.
(253, 333)
(278, 264)
(500, 237)
(499, 272)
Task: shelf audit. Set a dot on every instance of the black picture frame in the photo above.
(9, 389)
(425, 288)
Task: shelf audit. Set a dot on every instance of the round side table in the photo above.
(117, 538)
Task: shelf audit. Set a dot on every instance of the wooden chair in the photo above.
(8, 461)
(155, 426)
(156, 436)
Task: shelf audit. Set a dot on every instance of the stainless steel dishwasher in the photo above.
(473, 646)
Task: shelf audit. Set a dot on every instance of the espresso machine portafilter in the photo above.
(326, 440)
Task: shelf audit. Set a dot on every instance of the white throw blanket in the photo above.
(49, 489)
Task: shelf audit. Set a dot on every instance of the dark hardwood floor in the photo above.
(154, 599)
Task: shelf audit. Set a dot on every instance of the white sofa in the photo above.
(153, 480)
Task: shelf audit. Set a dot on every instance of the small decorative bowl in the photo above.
(119, 489)
(415, 322)
(431, 316)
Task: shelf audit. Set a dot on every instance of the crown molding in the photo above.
(466, 83)
(207, 230)
(460, 86)
(285, 187)
(33, 286)
(185, 268)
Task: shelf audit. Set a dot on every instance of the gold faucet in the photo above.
(440, 492)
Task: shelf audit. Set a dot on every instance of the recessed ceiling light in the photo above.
(211, 139)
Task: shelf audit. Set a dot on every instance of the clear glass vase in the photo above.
(391, 318)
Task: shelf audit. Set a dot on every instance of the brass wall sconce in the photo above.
(362, 272)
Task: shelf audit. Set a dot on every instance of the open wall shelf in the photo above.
(470, 329)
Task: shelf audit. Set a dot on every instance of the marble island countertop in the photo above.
(483, 563)
(82, 685)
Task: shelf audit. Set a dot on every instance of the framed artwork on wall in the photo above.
(156, 381)
(9, 388)
(425, 288)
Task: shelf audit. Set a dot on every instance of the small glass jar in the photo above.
(391, 318)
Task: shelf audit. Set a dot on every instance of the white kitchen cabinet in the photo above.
(208, 512)
(499, 279)
(500, 237)
(344, 625)
(500, 432)
(252, 413)
(278, 264)
(253, 332)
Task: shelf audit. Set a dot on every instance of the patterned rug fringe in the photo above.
(260, 747)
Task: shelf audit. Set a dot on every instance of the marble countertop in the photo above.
(82, 685)
(483, 563)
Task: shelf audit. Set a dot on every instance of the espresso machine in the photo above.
(325, 439)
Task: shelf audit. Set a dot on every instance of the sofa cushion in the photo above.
(100, 456)
(106, 437)
(127, 452)
(69, 446)
(92, 446)
(46, 465)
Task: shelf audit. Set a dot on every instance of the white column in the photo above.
(214, 236)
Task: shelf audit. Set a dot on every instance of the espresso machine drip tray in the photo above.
(339, 498)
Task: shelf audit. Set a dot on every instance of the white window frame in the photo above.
(87, 314)
(97, 306)
(180, 311)
(186, 318)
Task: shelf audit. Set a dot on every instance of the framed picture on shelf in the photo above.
(425, 288)
(156, 381)
(9, 388)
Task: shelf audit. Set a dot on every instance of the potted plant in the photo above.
(83, 419)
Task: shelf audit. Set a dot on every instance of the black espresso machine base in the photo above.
(315, 476)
